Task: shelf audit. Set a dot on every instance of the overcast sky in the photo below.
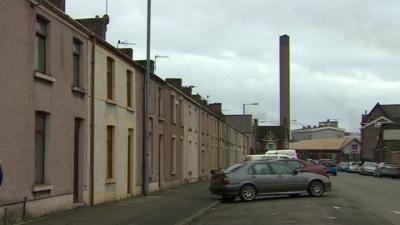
(345, 55)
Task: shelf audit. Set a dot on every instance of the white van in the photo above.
(291, 153)
(254, 157)
(265, 157)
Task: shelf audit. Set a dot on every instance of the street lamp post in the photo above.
(146, 160)
(244, 106)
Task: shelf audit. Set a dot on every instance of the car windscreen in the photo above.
(234, 168)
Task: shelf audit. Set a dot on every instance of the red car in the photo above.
(303, 166)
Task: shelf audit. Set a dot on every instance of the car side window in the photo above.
(260, 169)
(279, 168)
(295, 164)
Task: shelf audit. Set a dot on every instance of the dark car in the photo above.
(303, 166)
(330, 164)
(247, 180)
(387, 169)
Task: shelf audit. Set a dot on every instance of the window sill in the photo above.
(78, 90)
(44, 77)
(130, 109)
(41, 187)
(111, 102)
(110, 181)
(161, 118)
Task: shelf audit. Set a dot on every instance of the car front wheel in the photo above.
(248, 193)
(316, 189)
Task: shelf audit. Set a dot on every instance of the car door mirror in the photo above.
(295, 172)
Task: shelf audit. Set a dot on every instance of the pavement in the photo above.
(178, 206)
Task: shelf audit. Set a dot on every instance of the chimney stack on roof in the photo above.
(127, 51)
(176, 82)
(58, 3)
(216, 108)
(144, 62)
(97, 25)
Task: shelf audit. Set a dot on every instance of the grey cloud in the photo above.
(344, 53)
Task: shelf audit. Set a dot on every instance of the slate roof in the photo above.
(321, 144)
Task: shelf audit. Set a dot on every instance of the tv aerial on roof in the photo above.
(126, 43)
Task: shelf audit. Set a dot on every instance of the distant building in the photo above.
(341, 149)
(269, 138)
(380, 133)
(307, 133)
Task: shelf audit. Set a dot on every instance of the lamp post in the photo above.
(244, 106)
(146, 160)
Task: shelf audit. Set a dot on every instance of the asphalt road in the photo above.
(354, 200)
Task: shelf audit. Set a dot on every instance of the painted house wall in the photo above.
(22, 94)
(349, 153)
(173, 130)
(191, 142)
(117, 114)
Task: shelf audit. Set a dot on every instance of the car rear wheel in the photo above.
(316, 189)
(248, 193)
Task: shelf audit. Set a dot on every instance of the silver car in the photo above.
(387, 169)
(247, 180)
(368, 168)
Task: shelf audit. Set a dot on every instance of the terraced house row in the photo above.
(73, 115)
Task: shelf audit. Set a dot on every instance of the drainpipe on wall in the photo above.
(92, 68)
(200, 148)
(218, 136)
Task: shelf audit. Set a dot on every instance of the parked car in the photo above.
(354, 167)
(330, 164)
(368, 168)
(303, 166)
(260, 177)
(342, 166)
(387, 169)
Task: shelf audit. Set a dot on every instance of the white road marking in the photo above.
(332, 218)
(306, 206)
(336, 207)
(395, 212)
(275, 213)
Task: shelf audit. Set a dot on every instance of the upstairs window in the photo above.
(160, 103)
(76, 61)
(110, 79)
(40, 45)
(129, 88)
(173, 108)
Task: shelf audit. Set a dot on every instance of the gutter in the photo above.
(91, 132)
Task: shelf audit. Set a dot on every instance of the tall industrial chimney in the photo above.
(284, 74)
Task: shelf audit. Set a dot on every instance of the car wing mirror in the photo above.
(295, 172)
